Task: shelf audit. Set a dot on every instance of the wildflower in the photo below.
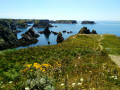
(31, 70)
(27, 88)
(73, 84)
(10, 82)
(116, 77)
(79, 84)
(112, 76)
(62, 84)
(81, 79)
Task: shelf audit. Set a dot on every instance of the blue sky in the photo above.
(107, 10)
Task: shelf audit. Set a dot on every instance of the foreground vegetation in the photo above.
(77, 63)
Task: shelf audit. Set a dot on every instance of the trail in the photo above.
(101, 38)
(114, 58)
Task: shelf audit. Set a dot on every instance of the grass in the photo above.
(111, 44)
(80, 65)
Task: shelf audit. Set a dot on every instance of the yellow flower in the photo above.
(31, 70)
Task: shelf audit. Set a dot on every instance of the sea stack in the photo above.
(60, 38)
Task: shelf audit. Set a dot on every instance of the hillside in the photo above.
(80, 62)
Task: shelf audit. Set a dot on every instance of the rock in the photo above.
(41, 32)
(68, 32)
(88, 22)
(93, 32)
(71, 32)
(60, 38)
(16, 31)
(32, 32)
(55, 33)
(48, 42)
(64, 31)
(84, 30)
(46, 30)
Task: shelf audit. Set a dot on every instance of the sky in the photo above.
(102, 10)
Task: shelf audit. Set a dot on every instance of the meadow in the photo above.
(75, 64)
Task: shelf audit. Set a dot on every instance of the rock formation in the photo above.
(55, 33)
(93, 32)
(88, 22)
(60, 38)
(84, 30)
(8, 39)
(46, 30)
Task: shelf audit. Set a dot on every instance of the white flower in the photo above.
(10, 82)
(62, 84)
(27, 88)
(81, 79)
(73, 84)
(116, 77)
(112, 76)
(79, 84)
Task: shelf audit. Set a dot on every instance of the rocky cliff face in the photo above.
(8, 39)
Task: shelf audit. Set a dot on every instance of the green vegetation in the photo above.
(111, 44)
(77, 63)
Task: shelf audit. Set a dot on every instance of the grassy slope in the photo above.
(80, 57)
(111, 43)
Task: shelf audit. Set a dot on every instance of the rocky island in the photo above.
(88, 22)
(64, 21)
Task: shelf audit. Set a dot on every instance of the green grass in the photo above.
(111, 44)
(79, 57)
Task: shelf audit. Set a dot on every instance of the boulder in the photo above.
(64, 31)
(93, 32)
(60, 38)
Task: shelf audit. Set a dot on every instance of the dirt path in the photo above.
(101, 38)
(115, 59)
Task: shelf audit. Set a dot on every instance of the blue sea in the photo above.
(102, 27)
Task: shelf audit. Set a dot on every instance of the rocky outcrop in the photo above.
(64, 31)
(32, 33)
(46, 30)
(84, 30)
(55, 33)
(88, 22)
(8, 39)
(9, 23)
(93, 32)
(60, 38)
